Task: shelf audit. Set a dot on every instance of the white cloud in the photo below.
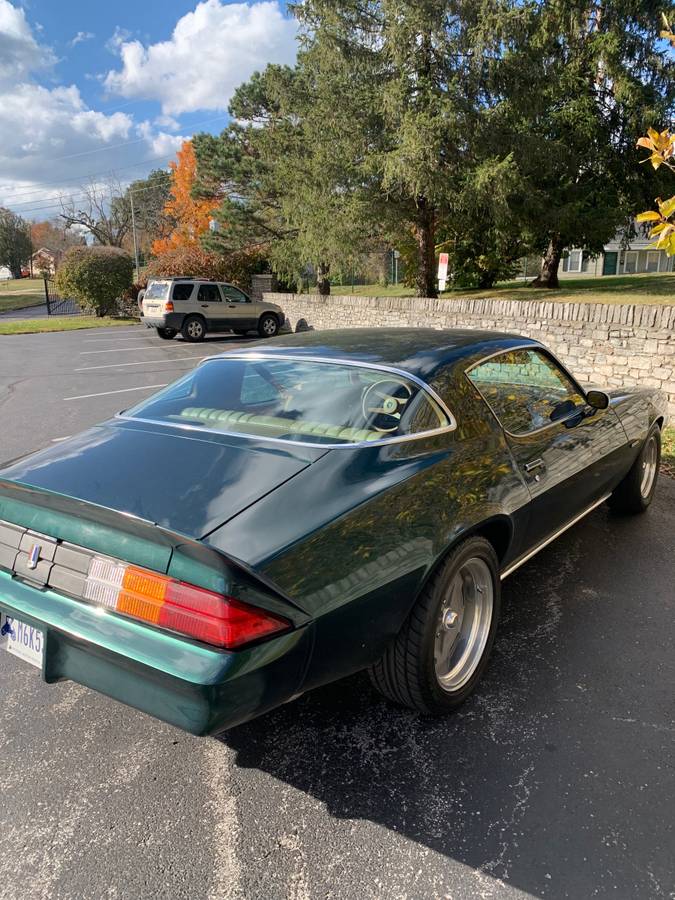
(19, 51)
(81, 37)
(212, 50)
(51, 139)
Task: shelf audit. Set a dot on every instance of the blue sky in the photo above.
(111, 89)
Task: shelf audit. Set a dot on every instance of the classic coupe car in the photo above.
(288, 514)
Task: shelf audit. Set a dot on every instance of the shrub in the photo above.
(96, 277)
(236, 268)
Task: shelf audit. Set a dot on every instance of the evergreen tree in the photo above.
(579, 81)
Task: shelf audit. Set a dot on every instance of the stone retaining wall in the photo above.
(608, 344)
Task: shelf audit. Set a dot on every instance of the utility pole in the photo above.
(133, 229)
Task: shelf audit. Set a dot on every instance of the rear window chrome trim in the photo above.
(273, 357)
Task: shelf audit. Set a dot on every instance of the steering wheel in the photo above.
(385, 400)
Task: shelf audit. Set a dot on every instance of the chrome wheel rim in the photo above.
(648, 468)
(195, 329)
(269, 327)
(463, 626)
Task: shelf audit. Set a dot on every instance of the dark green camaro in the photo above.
(286, 515)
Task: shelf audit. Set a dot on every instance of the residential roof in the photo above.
(419, 351)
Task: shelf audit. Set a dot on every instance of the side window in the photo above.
(526, 390)
(182, 291)
(208, 293)
(233, 294)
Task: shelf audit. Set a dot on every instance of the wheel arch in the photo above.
(496, 529)
(271, 312)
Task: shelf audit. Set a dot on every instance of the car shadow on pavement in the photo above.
(545, 780)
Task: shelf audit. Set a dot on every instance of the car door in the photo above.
(210, 305)
(568, 453)
(240, 311)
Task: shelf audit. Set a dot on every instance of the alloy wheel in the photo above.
(649, 462)
(464, 625)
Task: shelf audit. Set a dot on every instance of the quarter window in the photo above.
(526, 390)
(182, 291)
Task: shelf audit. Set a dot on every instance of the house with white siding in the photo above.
(617, 258)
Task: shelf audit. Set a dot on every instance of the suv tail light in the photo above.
(206, 616)
(168, 306)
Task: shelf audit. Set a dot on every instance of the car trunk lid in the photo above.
(185, 481)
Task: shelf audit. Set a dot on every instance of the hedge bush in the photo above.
(96, 277)
(235, 268)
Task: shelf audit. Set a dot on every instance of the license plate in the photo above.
(22, 640)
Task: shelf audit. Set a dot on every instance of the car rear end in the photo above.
(157, 305)
(146, 616)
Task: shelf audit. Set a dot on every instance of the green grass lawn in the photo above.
(20, 293)
(640, 289)
(59, 323)
(668, 451)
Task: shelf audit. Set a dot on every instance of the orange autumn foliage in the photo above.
(192, 216)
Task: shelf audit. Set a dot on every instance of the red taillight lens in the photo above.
(192, 611)
(168, 306)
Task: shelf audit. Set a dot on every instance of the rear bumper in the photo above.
(169, 320)
(188, 685)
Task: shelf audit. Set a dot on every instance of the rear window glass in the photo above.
(157, 290)
(294, 400)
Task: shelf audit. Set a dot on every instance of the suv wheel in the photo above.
(194, 329)
(268, 326)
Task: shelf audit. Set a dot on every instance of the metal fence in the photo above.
(60, 306)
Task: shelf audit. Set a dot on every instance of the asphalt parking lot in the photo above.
(556, 780)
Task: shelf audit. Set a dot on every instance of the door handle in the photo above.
(204, 305)
(233, 305)
(535, 464)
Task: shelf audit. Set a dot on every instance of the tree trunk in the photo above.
(548, 276)
(322, 280)
(425, 232)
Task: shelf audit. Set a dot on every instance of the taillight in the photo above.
(168, 306)
(193, 611)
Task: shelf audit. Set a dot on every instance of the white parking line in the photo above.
(120, 350)
(143, 387)
(145, 362)
(135, 330)
(140, 337)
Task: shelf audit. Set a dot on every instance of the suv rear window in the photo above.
(182, 291)
(297, 400)
(157, 290)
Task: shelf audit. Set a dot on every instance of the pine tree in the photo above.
(580, 82)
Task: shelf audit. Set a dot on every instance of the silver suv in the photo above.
(194, 306)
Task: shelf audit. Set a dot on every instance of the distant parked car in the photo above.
(285, 515)
(194, 306)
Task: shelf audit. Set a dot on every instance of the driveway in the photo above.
(555, 780)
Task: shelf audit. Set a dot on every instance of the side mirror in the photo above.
(597, 399)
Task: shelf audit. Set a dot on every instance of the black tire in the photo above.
(408, 673)
(268, 326)
(194, 329)
(634, 494)
(166, 334)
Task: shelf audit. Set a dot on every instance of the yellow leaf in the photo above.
(667, 208)
(653, 134)
(657, 229)
(644, 142)
(650, 216)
